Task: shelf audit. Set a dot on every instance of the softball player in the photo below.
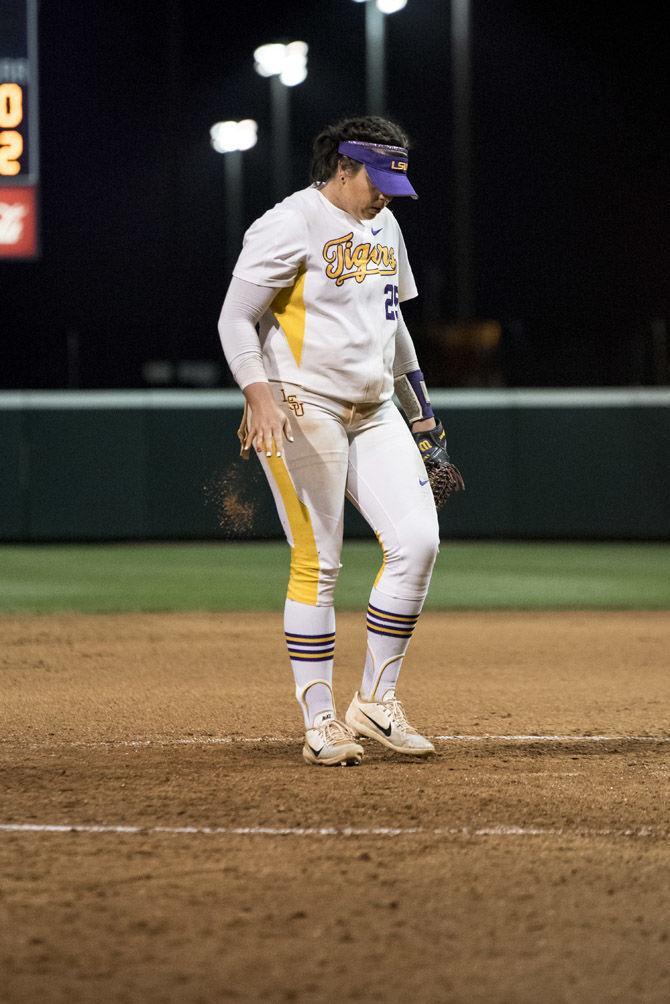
(323, 275)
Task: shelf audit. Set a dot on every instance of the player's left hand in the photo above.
(445, 478)
(264, 425)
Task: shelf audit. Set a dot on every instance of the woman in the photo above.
(323, 274)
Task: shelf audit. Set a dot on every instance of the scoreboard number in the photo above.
(11, 148)
(11, 105)
(19, 140)
(11, 141)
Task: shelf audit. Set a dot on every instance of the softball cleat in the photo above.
(332, 744)
(386, 722)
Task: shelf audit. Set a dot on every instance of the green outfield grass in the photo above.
(252, 576)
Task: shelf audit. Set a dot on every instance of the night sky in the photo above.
(570, 201)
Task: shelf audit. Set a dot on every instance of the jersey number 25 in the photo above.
(391, 302)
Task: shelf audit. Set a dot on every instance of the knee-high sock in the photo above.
(390, 625)
(310, 637)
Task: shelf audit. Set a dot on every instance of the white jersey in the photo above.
(331, 327)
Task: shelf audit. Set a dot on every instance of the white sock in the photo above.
(390, 626)
(310, 637)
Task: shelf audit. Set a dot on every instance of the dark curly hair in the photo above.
(366, 128)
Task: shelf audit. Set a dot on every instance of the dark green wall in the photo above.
(104, 472)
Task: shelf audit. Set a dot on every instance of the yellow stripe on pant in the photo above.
(382, 569)
(303, 583)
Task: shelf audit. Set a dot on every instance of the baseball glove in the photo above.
(445, 478)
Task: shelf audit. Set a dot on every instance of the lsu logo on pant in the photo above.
(294, 403)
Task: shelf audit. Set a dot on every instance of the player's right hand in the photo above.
(267, 424)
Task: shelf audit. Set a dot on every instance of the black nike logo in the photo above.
(315, 752)
(386, 731)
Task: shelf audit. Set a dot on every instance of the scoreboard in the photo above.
(19, 140)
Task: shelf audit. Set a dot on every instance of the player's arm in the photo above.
(429, 435)
(409, 384)
(410, 387)
(242, 309)
(273, 251)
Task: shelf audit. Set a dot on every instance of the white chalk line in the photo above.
(260, 740)
(490, 737)
(334, 831)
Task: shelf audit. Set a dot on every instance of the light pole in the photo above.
(231, 138)
(462, 252)
(375, 55)
(286, 65)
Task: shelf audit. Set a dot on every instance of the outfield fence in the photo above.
(141, 465)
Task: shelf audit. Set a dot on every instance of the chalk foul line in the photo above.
(553, 738)
(335, 831)
(231, 740)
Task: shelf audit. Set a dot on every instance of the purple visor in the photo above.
(386, 166)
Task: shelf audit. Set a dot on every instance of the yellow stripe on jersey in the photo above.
(288, 307)
(303, 583)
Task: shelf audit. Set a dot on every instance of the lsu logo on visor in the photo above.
(399, 165)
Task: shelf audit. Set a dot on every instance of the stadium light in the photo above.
(286, 61)
(387, 6)
(391, 6)
(286, 66)
(232, 138)
(375, 56)
(229, 136)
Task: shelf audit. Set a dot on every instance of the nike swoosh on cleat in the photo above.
(386, 731)
(315, 752)
(423, 482)
(375, 232)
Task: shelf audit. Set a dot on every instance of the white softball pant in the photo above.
(368, 454)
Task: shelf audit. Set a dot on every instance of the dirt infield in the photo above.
(192, 856)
